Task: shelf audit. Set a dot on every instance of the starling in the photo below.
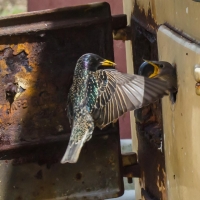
(161, 70)
(98, 97)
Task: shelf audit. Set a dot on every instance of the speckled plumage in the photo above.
(99, 97)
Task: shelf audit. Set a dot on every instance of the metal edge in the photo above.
(55, 18)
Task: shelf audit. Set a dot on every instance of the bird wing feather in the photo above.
(120, 93)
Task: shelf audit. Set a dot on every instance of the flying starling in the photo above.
(98, 97)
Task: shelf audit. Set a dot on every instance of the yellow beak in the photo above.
(108, 63)
(156, 69)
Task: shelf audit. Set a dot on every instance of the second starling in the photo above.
(161, 70)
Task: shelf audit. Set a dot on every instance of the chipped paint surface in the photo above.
(181, 124)
(180, 14)
(182, 173)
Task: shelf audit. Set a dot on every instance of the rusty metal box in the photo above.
(38, 53)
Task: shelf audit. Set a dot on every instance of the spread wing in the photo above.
(119, 93)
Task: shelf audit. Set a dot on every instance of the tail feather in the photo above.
(81, 132)
(73, 151)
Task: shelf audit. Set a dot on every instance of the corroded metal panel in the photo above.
(38, 53)
(148, 126)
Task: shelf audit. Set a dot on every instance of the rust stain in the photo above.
(149, 119)
(147, 20)
(4, 67)
(36, 97)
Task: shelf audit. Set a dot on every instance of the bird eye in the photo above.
(161, 66)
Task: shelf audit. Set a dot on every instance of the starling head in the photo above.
(92, 62)
(152, 69)
(161, 70)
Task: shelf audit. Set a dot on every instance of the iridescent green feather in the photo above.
(92, 92)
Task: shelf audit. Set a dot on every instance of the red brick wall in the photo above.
(119, 47)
